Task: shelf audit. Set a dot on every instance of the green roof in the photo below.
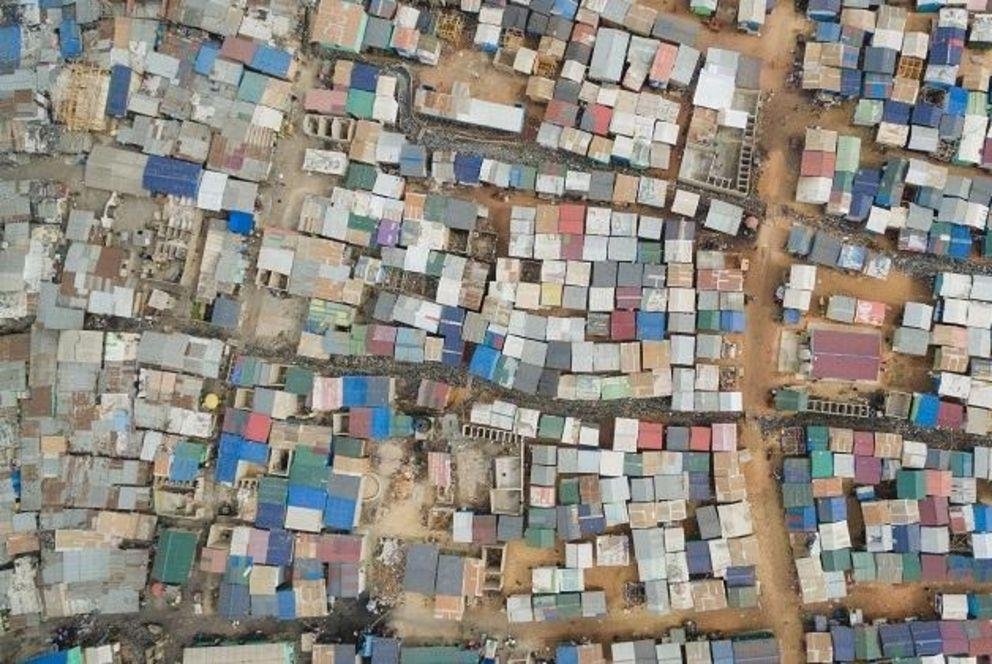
(696, 462)
(539, 538)
(822, 464)
(836, 561)
(649, 252)
(360, 176)
(299, 381)
(708, 320)
(864, 566)
(797, 494)
(437, 655)
(911, 484)
(360, 103)
(866, 645)
(308, 468)
(568, 492)
(348, 446)
(791, 400)
(551, 426)
(174, 556)
(273, 490)
(817, 437)
(633, 464)
(912, 570)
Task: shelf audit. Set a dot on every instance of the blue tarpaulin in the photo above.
(117, 95)
(165, 175)
(70, 39)
(272, 61)
(234, 601)
(10, 47)
(565, 8)
(566, 654)
(956, 101)
(242, 223)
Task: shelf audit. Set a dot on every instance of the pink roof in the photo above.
(326, 393)
(724, 436)
(867, 470)
(864, 443)
(258, 545)
(601, 117)
(950, 416)
(328, 102)
(845, 355)
(238, 49)
(938, 483)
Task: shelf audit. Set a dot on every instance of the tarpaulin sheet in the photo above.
(271, 61)
(10, 47)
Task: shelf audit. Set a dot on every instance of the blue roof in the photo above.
(467, 168)
(339, 513)
(650, 325)
(120, 86)
(70, 39)
(280, 551)
(226, 312)
(183, 469)
(927, 115)
(732, 321)
(242, 223)
(832, 509)
(287, 604)
(566, 654)
(252, 452)
(827, 31)
(896, 112)
(956, 100)
(305, 496)
(925, 409)
(272, 61)
(800, 519)
(165, 175)
(483, 363)
(10, 47)
(842, 638)
(364, 76)
(565, 8)
(234, 601)
(354, 391)
(204, 63)
(270, 515)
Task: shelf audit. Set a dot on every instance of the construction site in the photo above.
(479, 331)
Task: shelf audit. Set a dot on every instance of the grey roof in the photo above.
(509, 528)
(675, 29)
(608, 55)
(421, 569)
(709, 522)
(450, 574)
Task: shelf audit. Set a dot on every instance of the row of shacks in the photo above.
(675, 648)
(933, 529)
(861, 52)
(930, 209)
(963, 632)
(430, 235)
(959, 327)
(586, 480)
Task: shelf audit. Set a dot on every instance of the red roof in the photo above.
(650, 435)
(867, 470)
(572, 247)
(845, 355)
(600, 116)
(571, 218)
(699, 439)
(561, 112)
(623, 326)
(818, 164)
(328, 102)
